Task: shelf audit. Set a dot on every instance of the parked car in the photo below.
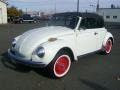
(17, 19)
(37, 19)
(26, 18)
(67, 36)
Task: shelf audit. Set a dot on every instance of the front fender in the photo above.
(107, 36)
(52, 48)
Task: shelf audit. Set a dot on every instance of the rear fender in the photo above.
(107, 36)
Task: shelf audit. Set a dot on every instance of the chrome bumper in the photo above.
(25, 61)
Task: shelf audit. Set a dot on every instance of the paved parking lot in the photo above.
(93, 72)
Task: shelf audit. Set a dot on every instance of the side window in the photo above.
(91, 23)
(88, 23)
(100, 23)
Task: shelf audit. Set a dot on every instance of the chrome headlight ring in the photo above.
(13, 42)
(40, 51)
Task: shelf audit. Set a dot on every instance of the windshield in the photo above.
(67, 21)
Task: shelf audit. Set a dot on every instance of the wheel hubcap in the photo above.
(108, 46)
(62, 65)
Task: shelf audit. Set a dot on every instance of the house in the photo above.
(110, 14)
(3, 13)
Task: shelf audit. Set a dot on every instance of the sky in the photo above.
(60, 5)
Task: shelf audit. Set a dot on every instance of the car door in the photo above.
(101, 31)
(86, 36)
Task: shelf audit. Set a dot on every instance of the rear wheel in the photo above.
(108, 47)
(60, 65)
(34, 21)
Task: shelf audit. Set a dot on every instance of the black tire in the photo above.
(108, 47)
(21, 21)
(34, 21)
(60, 65)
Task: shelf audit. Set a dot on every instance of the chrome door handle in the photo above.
(95, 33)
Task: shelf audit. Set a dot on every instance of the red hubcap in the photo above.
(62, 65)
(108, 46)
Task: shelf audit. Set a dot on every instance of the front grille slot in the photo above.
(13, 52)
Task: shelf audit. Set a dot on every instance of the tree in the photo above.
(20, 12)
(13, 12)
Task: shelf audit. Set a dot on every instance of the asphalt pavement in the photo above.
(93, 72)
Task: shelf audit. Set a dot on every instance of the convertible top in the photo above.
(84, 15)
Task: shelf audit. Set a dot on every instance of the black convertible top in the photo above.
(99, 19)
(84, 15)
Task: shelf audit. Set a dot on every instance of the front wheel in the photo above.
(108, 47)
(60, 65)
(21, 21)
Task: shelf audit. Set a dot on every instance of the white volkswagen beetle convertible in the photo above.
(67, 36)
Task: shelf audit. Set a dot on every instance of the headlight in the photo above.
(40, 52)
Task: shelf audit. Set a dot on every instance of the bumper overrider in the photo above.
(24, 61)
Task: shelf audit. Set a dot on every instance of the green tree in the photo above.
(20, 12)
(13, 12)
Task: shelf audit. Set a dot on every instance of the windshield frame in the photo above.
(65, 21)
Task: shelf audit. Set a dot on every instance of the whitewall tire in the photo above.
(60, 65)
(108, 46)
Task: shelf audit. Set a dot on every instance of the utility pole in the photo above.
(77, 5)
(55, 8)
(26, 10)
(97, 8)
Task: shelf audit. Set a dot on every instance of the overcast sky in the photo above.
(61, 5)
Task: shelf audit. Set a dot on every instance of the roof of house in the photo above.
(4, 2)
(109, 8)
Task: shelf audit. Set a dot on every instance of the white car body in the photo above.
(54, 38)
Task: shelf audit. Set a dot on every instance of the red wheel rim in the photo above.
(62, 65)
(108, 46)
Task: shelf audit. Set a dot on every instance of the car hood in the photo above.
(30, 40)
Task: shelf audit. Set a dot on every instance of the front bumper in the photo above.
(25, 61)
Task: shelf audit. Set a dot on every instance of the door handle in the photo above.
(95, 33)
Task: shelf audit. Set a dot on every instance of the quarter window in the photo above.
(88, 23)
(100, 23)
